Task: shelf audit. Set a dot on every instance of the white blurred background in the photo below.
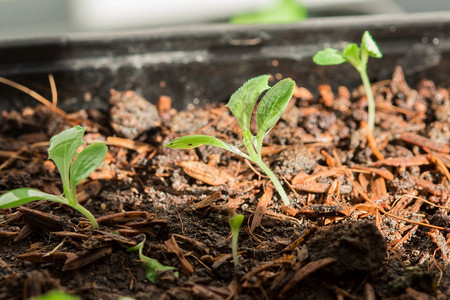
(45, 18)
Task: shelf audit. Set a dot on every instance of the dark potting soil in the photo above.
(369, 216)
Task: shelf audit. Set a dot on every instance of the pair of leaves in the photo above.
(153, 268)
(269, 109)
(241, 104)
(73, 169)
(351, 53)
(63, 149)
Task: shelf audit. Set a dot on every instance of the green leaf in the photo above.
(283, 11)
(63, 148)
(243, 101)
(86, 162)
(272, 105)
(193, 141)
(351, 53)
(152, 267)
(328, 56)
(370, 45)
(23, 196)
(236, 222)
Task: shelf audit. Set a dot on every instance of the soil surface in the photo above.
(369, 217)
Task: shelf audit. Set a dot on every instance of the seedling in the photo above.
(73, 168)
(153, 268)
(357, 57)
(241, 104)
(235, 224)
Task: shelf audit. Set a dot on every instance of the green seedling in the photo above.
(235, 224)
(357, 57)
(241, 104)
(153, 268)
(73, 168)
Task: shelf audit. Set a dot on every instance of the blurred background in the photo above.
(47, 18)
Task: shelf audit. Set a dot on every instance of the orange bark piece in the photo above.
(205, 173)
(417, 160)
(302, 93)
(327, 94)
(261, 208)
(424, 142)
(386, 174)
(122, 217)
(372, 142)
(186, 267)
(128, 144)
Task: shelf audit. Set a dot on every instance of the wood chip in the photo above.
(261, 208)
(186, 267)
(122, 217)
(205, 173)
(417, 160)
(86, 258)
(424, 142)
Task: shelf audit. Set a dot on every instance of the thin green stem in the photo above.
(370, 99)
(274, 180)
(234, 246)
(87, 214)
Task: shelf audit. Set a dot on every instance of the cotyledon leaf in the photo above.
(370, 45)
(328, 56)
(193, 141)
(23, 196)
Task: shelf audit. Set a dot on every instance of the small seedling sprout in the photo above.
(241, 104)
(73, 168)
(235, 221)
(153, 268)
(357, 57)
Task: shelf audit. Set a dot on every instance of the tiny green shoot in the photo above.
(73, 168)
(357, 57)
(235, 221)
(153, 268)
(241, 104)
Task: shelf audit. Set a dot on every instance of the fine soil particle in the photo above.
(369, 213)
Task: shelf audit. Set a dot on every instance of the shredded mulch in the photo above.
(369, 216)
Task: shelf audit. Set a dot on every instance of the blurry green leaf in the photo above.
(236, 222)
(285, 11)
(273, 104)
(328, 56)
(243, 101)
(86, 162)
(23, 196)
(370, 45)
(152, 267)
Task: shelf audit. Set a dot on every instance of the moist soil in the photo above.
(368, 219)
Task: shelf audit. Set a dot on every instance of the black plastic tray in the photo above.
(197, 64)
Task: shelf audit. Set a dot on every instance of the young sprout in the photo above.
(241, 104)
(73, 168)
(235, 224)
(153, 268)
(357, 57)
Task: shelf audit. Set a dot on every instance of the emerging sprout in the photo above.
(235, 224)
(73, 168)
(241, 104)
(358, 58)
(153, 268)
